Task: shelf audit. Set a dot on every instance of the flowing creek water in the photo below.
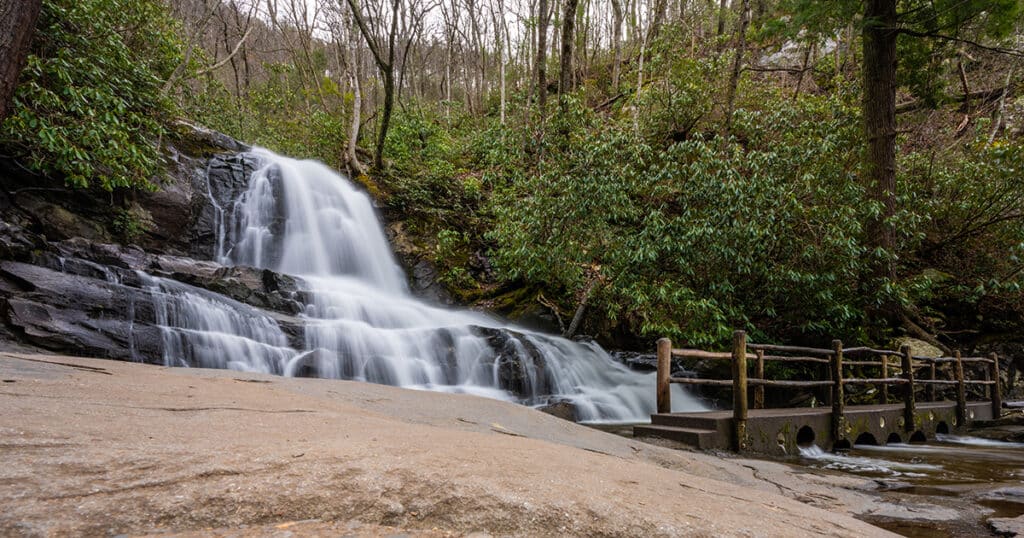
(947, 487)
(359, 320)
(981, 478)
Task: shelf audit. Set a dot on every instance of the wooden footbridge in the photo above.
(834, 425)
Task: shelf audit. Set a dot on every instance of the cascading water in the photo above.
(360, 321)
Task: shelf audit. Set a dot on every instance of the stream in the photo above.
(947, 487)
(979, 478)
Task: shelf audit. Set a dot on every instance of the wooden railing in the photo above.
(833, 364)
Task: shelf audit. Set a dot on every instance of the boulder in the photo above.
(562, 409)
(1007, 526)
(918, 348)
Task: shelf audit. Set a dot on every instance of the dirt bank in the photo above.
(101, 447)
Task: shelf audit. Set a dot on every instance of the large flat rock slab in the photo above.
(99, 447)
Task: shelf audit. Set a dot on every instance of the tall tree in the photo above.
(17, 24)
(617, 17)
(737, 64)
(882, 24)
(565, 77)
(542, 46)
(879, 35)
(384, 56)
(723, 10)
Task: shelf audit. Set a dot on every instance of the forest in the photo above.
(631, 169)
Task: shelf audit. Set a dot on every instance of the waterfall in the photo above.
(360, 322)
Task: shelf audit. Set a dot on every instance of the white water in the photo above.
(361, 323)
(861, 464)
(975, 441)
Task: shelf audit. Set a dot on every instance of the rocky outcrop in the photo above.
(92, 299)
(204, 172)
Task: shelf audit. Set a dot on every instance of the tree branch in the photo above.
(943, 37)
(227, 59)
(984, 95)
(368, 36)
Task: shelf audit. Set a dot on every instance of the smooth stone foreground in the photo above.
(95, 447)
(1008, 526)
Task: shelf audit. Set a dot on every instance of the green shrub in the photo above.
(88, 105)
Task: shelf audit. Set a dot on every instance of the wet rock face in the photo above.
(225, 178)
(83, 298)
(520, 365)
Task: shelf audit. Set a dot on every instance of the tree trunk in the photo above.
(658, 18)
(737, 64)
(17, 24)
(542, 45)
(565, 78)
(581, 309)
(385, 120)
(721, 18)
(357, 109)
(616, 43)
(879, 109)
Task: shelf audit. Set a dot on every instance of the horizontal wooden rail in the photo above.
(953, 359)
(792, 349)
(725, 356)
(783, 358)
(700, 354)
(787, 383)
(865, 363)
(699, 381)
(868, 350)
(877, 381)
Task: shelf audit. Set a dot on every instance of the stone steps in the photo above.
(699, 438)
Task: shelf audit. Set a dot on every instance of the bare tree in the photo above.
(191, 42)
(383, 52)
(500, 34)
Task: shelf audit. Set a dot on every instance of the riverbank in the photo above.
(101, 447)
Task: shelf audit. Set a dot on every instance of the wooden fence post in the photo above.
(883, 395)
(908, 393)
(739, 389)
(929, 389)
(961, 393)
(997, 394)
(986, 374)
(759, 372)
(664, 372)
(838, 399)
